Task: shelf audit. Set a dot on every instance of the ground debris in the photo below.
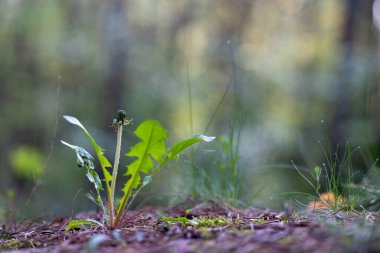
(211, 229)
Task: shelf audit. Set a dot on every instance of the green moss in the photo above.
(14, 244)
(202, 221)
(258, 220)
(212, 221)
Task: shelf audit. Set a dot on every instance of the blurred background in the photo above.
(274, 80)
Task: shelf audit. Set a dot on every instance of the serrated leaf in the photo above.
(152, 146)
(153, 137)
(104, 163)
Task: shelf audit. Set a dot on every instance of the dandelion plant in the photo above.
(150, 154)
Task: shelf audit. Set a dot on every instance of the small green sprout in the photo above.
(77, 224)
(150, 154)
(317, 176)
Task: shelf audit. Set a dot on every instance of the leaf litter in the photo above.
(204, 228)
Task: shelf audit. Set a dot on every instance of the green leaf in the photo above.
(153, 136)
(76, 224)
(94, 178)
(180, 146)
(152, 146)
(104, 163)
(146, 181)
(84, 159)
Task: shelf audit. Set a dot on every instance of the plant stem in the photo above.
(114, 172)
(124, 199)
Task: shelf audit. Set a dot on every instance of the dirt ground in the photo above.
(205, 228)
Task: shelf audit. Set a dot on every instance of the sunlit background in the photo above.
(273, 80)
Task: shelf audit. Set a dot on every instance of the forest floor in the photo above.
(205, 228)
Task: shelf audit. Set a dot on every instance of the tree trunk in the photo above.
(349, 97)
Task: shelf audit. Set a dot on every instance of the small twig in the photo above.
(131, 218)
(75, 197)
(51, 147)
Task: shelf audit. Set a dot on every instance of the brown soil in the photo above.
(225, 230)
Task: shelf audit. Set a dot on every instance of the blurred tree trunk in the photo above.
(356, 29)
(115, 36)
(185, 17)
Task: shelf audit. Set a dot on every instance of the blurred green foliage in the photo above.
(301, 70)
(26, 162)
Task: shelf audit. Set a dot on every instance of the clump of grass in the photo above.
(227, 164)
(331, 181)
(221, 178)
(370, 188)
